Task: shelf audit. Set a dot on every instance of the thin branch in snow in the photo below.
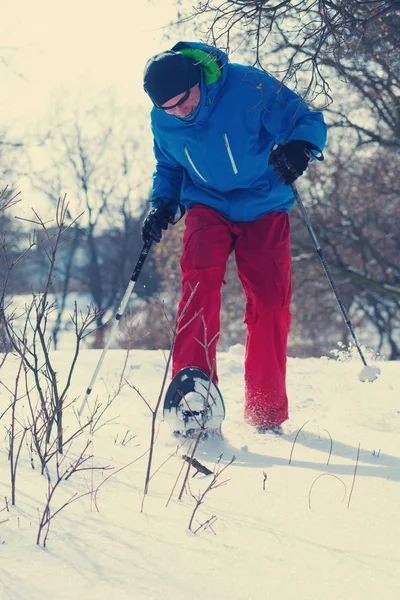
(325, 475)
(354, 476)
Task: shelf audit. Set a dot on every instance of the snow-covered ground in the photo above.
(316, 531)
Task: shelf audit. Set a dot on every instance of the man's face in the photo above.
(187, 107)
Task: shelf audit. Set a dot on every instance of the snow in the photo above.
(317, 530)
(369, 373)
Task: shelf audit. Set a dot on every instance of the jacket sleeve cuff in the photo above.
(170, 202)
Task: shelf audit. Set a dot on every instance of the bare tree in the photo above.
(355, 211)
(27, 334)
(9, 237)
(308, 31)
(94, 156)
(364, 73)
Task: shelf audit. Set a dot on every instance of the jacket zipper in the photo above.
(228, 148)
(193, 165)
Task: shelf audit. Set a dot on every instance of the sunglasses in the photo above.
(181, 101)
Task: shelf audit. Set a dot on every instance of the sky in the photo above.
(81, 44)
(77, 53)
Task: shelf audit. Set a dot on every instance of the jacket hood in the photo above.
(213, 63)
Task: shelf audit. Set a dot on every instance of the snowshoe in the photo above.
(275, 430)
(193, 404)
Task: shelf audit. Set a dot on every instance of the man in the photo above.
(228, 142)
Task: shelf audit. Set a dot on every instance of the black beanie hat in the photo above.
(168, 74)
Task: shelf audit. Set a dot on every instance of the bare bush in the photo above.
(174, 331)
(27, 333)
(199, 498)
(63, 472)
(16, 431)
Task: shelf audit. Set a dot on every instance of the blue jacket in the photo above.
(220, 156)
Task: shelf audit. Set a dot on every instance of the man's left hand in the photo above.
(290, 160)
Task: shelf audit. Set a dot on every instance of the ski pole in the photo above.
(118, 316)
(368, 373)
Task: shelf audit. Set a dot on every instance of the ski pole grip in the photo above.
(141, 260)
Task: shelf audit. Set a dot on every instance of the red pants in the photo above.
(263, 258)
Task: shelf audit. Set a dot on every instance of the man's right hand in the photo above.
(156, 221)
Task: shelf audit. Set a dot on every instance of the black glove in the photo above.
(156, 221)
(159, 218)
(290, 160)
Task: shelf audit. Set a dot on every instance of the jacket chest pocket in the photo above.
(230, 159)
(195, 169)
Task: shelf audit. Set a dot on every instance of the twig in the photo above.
(52, 486)
(178, 476)
(197, 465)
(154, 412)
(297, 435)
(167, 459)
(207, 524)
(113, 474)
(325, 475)
(214, 484)
(354, 476)
(330, 449)
(295, 440)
